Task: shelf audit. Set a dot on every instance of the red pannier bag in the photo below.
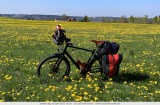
(113, 64)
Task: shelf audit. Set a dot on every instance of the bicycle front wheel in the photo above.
(53, 69)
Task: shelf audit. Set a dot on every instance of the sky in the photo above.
(91, 8)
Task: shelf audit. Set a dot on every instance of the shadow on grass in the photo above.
(131, 77)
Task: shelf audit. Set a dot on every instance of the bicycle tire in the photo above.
(47, 69)
(95, 67)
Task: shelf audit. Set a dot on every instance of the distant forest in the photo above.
(123, 19)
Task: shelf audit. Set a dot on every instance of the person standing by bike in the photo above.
(60, 36)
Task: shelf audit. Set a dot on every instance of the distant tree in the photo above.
(85, 19)
(131, 19)
(103, 19)
(155, 19)
(158, 20)
(123, 19)
(142, 20)
(138, 20)
(145, 19)
(64, 17)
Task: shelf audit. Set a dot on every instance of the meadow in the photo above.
(24, 43)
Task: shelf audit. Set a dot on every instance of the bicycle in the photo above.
(57, 66)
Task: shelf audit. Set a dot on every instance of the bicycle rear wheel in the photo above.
(53, 69)
(95, 68)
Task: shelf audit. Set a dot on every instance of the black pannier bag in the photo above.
(108, 47)
(114, 48)
(110, 60)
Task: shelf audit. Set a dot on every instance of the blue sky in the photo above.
(82, 7)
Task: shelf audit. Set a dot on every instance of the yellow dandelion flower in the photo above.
(81, 88)
(96, 85)
(86, 98)
(27, 98)
(157, 92)
(85, 93)
(46, 89)
(50, 75)
(106, 86)
(65, 78)
(78, 98)
(125, 82)
(12, 90)
(73, 80)
(18, 94)
(151, 94)
(145, 87)
(95, 98)
(96, 89)
(145, 96)
(110, 83)
(40, 87)
(69, 87)
(89, 85)
(1, 100)
(7, 77)
(59, 96)
(100, 91)
(73, 95)
(155, 82)
(3, 93)
(32, 95)
(96, 79)
(53, 88)
(110, 79)
(75, 85)
(138, 87)
(64, 98)
(138, 65)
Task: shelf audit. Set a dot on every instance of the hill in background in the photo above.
(51, 17)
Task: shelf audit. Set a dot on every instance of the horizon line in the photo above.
(73, 15)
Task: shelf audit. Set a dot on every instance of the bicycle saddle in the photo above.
(97, 42)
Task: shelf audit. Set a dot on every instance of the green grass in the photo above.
(24, 43)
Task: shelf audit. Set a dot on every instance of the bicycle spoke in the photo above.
(95, 68)
(49, 72)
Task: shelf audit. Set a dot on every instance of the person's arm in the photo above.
(64, 32)
(55, 34)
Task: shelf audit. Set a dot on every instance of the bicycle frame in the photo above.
(70, 57)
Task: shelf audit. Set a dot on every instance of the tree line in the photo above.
(123, 19)
(132, 19)
(67, 18)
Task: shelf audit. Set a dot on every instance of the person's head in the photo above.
(58, 27)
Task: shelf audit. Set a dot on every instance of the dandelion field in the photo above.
(24, 43)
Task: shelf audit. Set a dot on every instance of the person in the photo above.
(60, 36)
